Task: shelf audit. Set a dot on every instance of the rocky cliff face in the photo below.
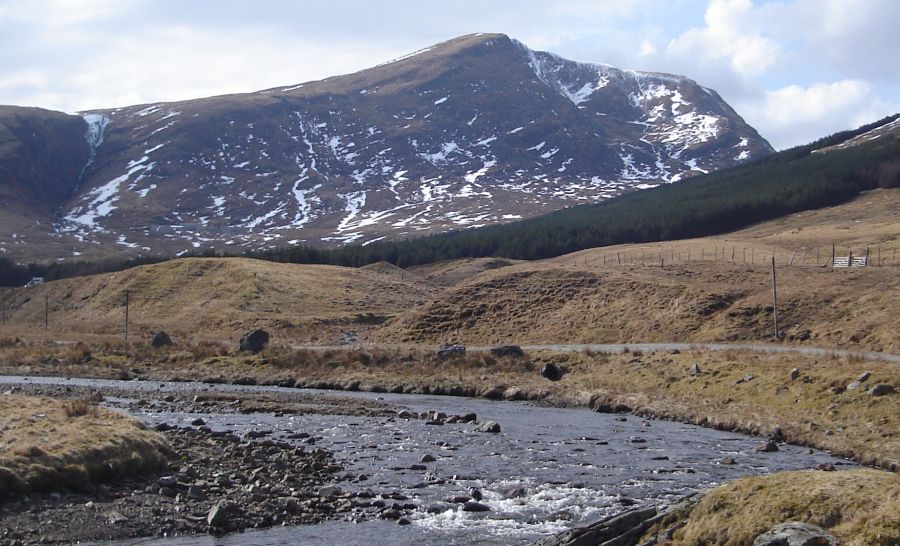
(469, 132)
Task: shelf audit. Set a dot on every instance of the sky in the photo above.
(796, 70)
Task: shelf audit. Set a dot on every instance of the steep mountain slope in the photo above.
(42, 156)
(473, 131)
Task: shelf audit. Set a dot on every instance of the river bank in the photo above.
(546, 471)
(204, 480)
(827, 402)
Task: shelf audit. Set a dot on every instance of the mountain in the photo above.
(474, 131)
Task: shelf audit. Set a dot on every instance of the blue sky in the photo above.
(794, 69)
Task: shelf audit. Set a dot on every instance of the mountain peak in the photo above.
(476, 130)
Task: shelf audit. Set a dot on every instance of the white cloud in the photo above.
(152, 66)
(796, 115)
(81, 54)
(730, 34)
(62, 13)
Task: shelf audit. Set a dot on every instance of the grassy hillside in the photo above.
(215, 297)
(706, 289)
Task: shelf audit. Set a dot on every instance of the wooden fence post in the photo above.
(774, 300)
(127, 294)
(46, 311)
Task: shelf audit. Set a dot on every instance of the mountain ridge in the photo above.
(473, 131)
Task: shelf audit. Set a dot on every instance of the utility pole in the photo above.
(127, 294)
(774, 300)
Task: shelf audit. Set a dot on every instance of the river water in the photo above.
(567, 466)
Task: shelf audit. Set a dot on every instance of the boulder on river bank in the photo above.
(254, 341)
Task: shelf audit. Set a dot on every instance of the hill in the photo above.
(474, 131)
(706, 289)
(198, 298)
(727, 200)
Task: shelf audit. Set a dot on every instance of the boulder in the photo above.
(254, 341)
(767, 447)
(795, 533)
(881, 389)
(160, 339)
(448, 350)
(507, 350)
(551, 371)
(475, 506)
(513, 492)
(795, 374)
(330, 491)
(218, 515)
(694, 370)
(857, 383)
(488, 426)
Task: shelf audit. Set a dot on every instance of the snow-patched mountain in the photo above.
(473, 131)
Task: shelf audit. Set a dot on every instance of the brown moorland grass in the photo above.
(213, 298)
(860, 507)
(736, 390)
(48, 445)
(546, 302)
(702, 289)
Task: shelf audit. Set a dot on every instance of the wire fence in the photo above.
(130, 312)
(753, 256)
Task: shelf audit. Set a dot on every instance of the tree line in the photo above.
(775, 185)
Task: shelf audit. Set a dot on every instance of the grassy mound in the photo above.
(48, 444)
(860, 507)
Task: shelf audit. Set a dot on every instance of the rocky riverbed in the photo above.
(254, 458)
(219, 482)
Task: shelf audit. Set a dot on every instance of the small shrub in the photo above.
(80, 407)
(208, 349)
(80, 353)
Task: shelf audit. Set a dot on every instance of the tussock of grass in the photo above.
(860, 507)
(48, 444)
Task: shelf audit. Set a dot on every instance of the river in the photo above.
(548, 470)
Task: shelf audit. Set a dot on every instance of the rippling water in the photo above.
(573, 465)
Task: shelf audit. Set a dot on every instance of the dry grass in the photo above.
(48, 444)
(80, 407)
(214, 299)
(860, 507)
(704, 291)
(553, 303)
(807, 411)
(586, 297)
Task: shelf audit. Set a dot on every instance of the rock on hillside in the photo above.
(473, 131)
